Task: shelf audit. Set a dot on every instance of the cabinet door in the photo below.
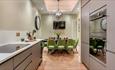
(111, 35)
(36, 54)
(85, 35)
(8, 65)
(111, 25)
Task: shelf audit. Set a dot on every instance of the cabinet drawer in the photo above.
(21, 57)
(8, 65)
(30, 67)
(24, 64)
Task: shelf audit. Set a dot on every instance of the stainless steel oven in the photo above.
(98, 29)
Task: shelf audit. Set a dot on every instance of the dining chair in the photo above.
(71, 44)
(51, 45)
(61, 44)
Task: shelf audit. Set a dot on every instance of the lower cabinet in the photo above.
(24, 64)
(8, 65)
(36, 55)
(20, 58)
(26, 60)
(30, 67)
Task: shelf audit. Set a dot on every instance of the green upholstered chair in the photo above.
(71, 44)
(61, 44)
(100, 45)
(51, 45)
(96, 45)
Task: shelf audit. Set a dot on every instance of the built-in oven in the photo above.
(97, 33)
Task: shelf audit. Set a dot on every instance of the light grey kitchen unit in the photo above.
(28, 59)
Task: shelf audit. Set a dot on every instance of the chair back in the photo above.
(61, 42)
(77, 42)
(100, 43)
(71, 42)
(51, 42)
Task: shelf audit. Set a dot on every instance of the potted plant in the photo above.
(58, 34)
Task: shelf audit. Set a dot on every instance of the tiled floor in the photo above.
(60, 62)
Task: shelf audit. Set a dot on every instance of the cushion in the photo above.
(70, 47)
(100, 46)
(61, 47)
(51, 46)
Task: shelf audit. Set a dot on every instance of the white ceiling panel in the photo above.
(64, 5)
(51, 6)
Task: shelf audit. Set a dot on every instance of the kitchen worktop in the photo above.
(5, 56)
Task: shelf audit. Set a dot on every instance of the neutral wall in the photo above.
(71, 26)
(16, 16)
(10, 36)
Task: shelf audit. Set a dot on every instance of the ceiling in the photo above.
(51, 6)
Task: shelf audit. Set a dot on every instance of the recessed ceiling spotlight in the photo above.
(78, 8)
(41, 8)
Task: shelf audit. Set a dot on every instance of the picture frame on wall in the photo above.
(37, 22)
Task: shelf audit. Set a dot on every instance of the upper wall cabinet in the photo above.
(97, 4)
(84, 2)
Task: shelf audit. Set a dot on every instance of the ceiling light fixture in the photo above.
(58, 13)
(41, 8)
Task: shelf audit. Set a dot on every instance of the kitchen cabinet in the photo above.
(29, 59)
(36, 55)
(85, 35)
(89, 7)
(111, 25)
(110, 61)
(84, 2)
(18, 59)
(111, 35)
(94, 4)
(30, 67)
(24, 64)
(8, 65)
(96, 65)
(22, 60)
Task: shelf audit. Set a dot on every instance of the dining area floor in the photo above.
(60, 61)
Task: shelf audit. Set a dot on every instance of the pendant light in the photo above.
(58, 13)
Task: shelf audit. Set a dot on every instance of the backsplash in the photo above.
(10, 36)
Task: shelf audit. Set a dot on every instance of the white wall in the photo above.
(47, 26)
(16, 16)
(10, 36)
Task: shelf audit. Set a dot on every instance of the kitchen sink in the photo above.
(10, 48)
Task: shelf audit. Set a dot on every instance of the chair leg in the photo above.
(73, 51)
(76, 50)
(103, 51)
(48, 50)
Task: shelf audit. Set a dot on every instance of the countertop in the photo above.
(5, 56)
